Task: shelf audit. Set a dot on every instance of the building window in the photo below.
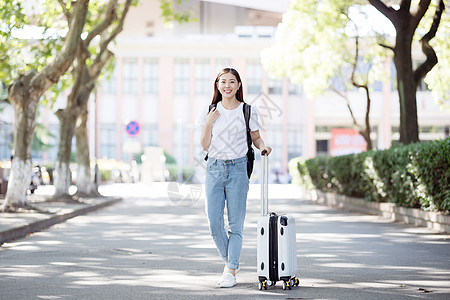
(339, 83)
(254, 77)
(202, 76)
(130, 76)
(275, 85)
(422, 86)
(44, 139)
(181, 143)
(393, 77)
(181, 76)
(53, 139)
(323, 129)
(150, 135)
(321, 147)
(222, 63)
(108, 140)
(6, 137)
(295, 145)
(295, 89)
(151, 75)
(274, 134)
(377, 86)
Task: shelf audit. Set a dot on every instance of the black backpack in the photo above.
(250, 152)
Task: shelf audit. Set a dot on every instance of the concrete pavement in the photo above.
(153, 245)
(21, 224)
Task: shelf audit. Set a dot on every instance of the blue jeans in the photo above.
(227, 182)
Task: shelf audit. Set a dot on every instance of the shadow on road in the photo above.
(148, 247)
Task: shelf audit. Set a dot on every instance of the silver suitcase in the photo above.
(276, 243)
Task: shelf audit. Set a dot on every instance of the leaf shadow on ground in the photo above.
(148, 247)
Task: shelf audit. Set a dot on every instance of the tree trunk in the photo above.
(67, 118)
(405, 22)
(364, 132)
(409, 127)
(366, 135)
(76, 113)
(25, 104)
(24, 93)
(85, 185)
(367, 130)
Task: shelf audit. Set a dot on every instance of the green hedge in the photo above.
(417, 175)
(188, 173)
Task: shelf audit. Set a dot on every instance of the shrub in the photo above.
(417, 175)
(105, 175)
(188, 173)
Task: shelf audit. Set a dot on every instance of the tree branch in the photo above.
(90, 76)
(65, 10)
(432, 59)
(388, 12)
(104, 55)
(422, 8)
(387, 47)
(77, 75)
(366, 131)
(352, 78)
(51, 72)
(405, 5)
(98, 66)
(355, 123)
(116, 31)
(109, 16)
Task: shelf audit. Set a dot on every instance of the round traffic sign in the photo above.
(133, 128)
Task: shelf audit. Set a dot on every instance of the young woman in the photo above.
(224, 137)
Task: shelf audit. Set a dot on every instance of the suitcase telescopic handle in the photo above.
(264, 183)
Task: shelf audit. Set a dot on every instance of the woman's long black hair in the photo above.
(218, 96)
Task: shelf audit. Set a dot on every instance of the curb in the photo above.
(433, 220)
(23, 231)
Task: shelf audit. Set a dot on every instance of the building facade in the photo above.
(163, 79)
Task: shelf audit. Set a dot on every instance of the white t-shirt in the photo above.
(229, 137)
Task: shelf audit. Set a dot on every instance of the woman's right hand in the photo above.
(212, 116)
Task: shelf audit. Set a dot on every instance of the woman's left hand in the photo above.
(268, 150)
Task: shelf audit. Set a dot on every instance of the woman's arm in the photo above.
(206, 137)
(258, 142)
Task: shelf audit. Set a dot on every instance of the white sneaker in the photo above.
(222, 278)
(225, 271)
(228, 281)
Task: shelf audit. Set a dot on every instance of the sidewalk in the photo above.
(18, 225)
(150, 246)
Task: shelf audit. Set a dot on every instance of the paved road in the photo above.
(151, 247)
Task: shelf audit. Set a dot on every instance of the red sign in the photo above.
(346, 141)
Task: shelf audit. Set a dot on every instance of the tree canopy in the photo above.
(314, 44)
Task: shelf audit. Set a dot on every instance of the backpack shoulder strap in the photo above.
(211, 106)
(209, 109)
(247, 109)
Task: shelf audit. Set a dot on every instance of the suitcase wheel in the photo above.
(292, 282)
(262, 285)
(288, 284)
